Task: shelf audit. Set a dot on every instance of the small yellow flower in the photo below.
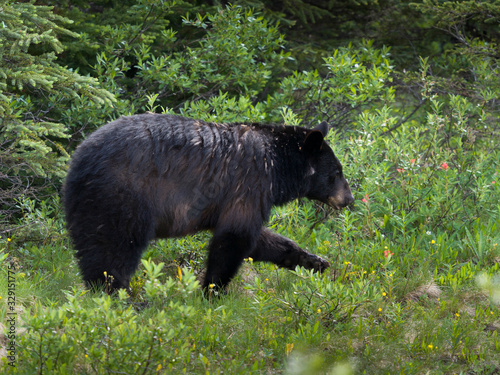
(211, 286)
(430, 346)
(390, 275)
(319, 311)
(457, 315)
(10, 239)
(384, 294)
(289, 348)
(385, 247)
(86, 356)
(433, 242)
(250, 259)
(159, 367)
(379, 309)
(267, 279)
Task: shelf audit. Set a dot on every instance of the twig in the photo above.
(401, 122)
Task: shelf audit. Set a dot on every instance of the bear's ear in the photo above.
(323, 128)
(314, 141)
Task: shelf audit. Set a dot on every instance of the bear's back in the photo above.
(168, 141)
(179, 164)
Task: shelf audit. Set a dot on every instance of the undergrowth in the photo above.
(413, 286)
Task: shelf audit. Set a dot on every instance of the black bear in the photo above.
(157, 176)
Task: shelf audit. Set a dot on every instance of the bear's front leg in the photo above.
(225, 255)
(272, 247)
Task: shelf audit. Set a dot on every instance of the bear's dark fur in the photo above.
(158, 176)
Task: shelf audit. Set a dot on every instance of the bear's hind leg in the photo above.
(103, 270)
(109, 258)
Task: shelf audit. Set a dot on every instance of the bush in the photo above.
(33, 91)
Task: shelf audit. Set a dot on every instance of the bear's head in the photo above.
(327, 182)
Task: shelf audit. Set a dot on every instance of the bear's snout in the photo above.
(343, 196)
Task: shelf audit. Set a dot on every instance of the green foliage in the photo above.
(106, 335)
(233, 62)
(413, 283)
(356, 78)
(234, 71)
(32, 85)
(458, 17)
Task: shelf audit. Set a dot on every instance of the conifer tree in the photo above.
(33, 91)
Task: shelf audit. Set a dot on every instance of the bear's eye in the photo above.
(334, 176)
